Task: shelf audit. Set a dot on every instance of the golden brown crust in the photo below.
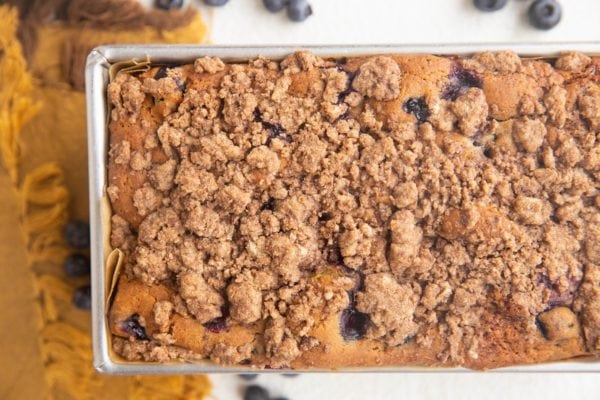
(375, 211)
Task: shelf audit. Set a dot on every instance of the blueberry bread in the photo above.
(391, 210)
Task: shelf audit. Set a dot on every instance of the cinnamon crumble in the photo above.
(385, 210)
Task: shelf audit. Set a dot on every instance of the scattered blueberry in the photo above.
(255, 392)
(418, 107)
(544, 14)
(77, 234)
(299, 10)
(82, 297)
(248, 377)
(353, 324)
(489, 5)
(77, 265)
(133, 327)
(290, 375)
(275, 5)
(168, 4)
(215, 3)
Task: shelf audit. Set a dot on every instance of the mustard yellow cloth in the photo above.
(45, 343)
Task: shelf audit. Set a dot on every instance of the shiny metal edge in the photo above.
(96, 78)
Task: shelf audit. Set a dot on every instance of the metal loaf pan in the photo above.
(97, 77)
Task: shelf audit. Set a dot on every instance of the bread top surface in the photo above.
(382, 210)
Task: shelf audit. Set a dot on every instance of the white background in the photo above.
(398, 22)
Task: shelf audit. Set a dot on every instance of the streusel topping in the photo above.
(414, 201)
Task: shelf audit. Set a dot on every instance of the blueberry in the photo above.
(77, 234)
(290, 375)
(488, 152)
(489, 5)
(325, 216)
(255, 392)
(275, 5)
(248, 377)
(134, 328)
(299, 10)
(268, 205)
(353, 324)
(418, 107)
(217, 325)
(168, 4)
(77, 265)
(544, 14)
(460, 79)
(215, 3)
(82, 297)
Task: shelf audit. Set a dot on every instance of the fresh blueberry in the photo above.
(168, 4)
(418, 107)
(77, 265)
(489, 5)
(255, 392)
(134, 328)
(82, 297)
(248, 377)
(290, 375)
(275, 5)
(544, 14)
(77, 234)
(299, 10)
(215, 3)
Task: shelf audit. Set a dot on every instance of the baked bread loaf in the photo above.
(389, 210)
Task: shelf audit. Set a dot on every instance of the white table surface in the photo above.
(410, 22)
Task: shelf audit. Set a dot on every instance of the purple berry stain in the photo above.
(275, 130)
(161, 73)
(220, 324)
(353, 323)
(133, 327)
(417, 106)
(460, 80)
(351, 75)
(556, 297)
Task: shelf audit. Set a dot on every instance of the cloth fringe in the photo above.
(16, 105)
(178, 387)
(43, 200)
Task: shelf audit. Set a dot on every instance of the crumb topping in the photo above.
(414, 200)
(379, 78)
